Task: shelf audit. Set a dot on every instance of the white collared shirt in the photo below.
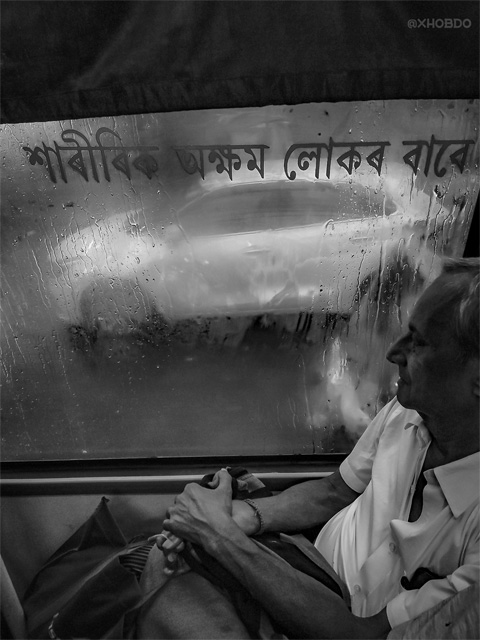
(372, 545)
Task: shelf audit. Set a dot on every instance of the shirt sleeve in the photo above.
(410, 604)
(356, 469)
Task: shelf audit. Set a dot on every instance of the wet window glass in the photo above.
(220, 282)
(267, 206)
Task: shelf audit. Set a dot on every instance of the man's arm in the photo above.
(305, 607)
(300, 507)
(305, 505)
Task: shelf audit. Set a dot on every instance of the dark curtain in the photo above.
(73, 59)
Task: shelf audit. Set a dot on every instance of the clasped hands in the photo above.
(199, 515)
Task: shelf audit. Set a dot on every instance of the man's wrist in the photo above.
(245, 517)
(258, 515)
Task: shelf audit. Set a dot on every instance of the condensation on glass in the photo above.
(220, 282)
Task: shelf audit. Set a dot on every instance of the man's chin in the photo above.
(402, 395)
(404, 402)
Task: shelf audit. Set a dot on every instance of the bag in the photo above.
(83, 590)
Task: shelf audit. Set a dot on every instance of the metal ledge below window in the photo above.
(165, 475)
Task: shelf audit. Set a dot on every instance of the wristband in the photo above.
(258, 513)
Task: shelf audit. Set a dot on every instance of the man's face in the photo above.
(433, 380)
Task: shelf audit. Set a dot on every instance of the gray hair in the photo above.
(463, 296)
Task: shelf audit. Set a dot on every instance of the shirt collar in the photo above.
(421, 431)
(460, 482)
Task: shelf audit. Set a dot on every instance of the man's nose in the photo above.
(396, 353)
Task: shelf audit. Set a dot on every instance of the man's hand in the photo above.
(171, 546)
(198, 513)
(242, 514)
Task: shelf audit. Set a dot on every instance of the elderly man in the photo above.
(405, 499)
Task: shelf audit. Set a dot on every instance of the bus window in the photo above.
(185, 284)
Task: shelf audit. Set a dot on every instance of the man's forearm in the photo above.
(302, 506)
(303, 607)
